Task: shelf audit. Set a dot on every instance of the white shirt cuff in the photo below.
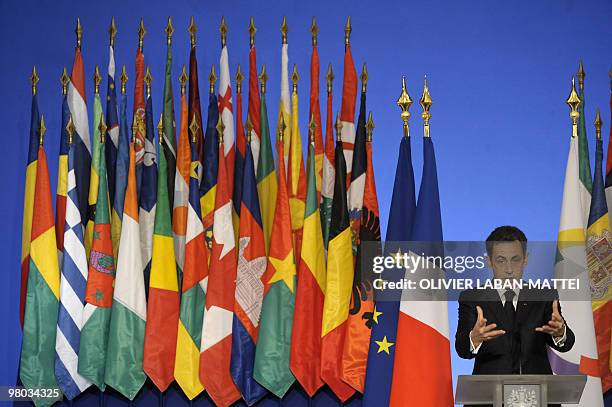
(559, 341)
(474, 349)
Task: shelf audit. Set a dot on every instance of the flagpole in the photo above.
(404, 102)
(573, 101)
(425, 103)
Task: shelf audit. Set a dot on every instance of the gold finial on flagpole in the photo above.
(79, 33)
(239, 78)
(404, 102)
(284, 30)
(314, 31)
(338, 128)
(369, 128)
(330, 78)
(598, 123)
(212, 79)
(141, 34)
(124, 79)
(281, 129)
(192, 29)
(64, 79)
(573, 101)
(347, 32)
(249, 129)
(183, 80)
(252, 30)
(97, 79)
(263, 79)
(223, 31)
(42, 129)
(311, 128)
(580, 74)
(160, 129)
(102, 128)
(70, 130)
(295, 78)
(426, 103)
(169, 31)
(194, 127)
(220, 129)
(34, 80)
(364, 78)
(148, 78)
(112, 31)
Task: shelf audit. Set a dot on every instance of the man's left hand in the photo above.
(556, 326)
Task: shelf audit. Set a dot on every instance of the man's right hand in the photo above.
(483, 332)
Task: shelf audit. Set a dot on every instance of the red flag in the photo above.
(347, 112)
(315, 112)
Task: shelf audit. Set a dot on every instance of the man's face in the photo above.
(507, 260)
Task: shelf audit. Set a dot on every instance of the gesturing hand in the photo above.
(483, 332)
(556, 325)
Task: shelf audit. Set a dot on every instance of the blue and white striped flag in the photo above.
(73, 281)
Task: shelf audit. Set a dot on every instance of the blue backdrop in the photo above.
(499, 74)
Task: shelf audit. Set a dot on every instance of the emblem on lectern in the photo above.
(522, 397)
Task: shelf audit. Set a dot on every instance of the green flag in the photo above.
(266, 175)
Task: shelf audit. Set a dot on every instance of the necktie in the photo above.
(515, 340)
(509, 307)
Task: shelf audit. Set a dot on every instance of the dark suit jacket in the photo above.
(533, 309)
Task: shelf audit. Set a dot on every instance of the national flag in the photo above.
(296, 177)
(43, 286)
(239, 155)
(139, 126)
(195, 274)
(381, 354)
(225, 111)
(129, 307)
(599, 262)
(169, 139)
(254, 107)
(148, 188)
(81, 144)
(315, 109)
(100, 283)
(329, 174)
(571, 262)
(583, 147)
(73, 281)
(216, 345)
(361, 311)
(28, 198)
(112, 118)
(339, 282)
(62, 173)
(284, 107)
(181, 182)
(422, 374)
(266, 173)
(96, 161)
(271, 368)
(194, 110)
(163, 305)
(252, 264)
(349, 99)
(121, 172)
(305, 359)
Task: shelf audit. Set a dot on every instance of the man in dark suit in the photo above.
(508, 331)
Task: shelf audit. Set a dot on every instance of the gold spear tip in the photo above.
(580, 74)
(263, 78)
(338, 127)
(220, 128)
(252, 30)
(404, 101)
(311, 128)
(64, 79)
(34, 79)
(573, 100)
(281, 128)
(239, 77)
(598, 123)
(97, 79)
(42, 129)
(284, 29)
(102, 128)
(141, 29)
(112, 31)
(123, 78)
(212, 78)
(249, 128)
(148, 78)
(425, 100)
(70, 129)
(79, 32)
(192, 29)
(294, 75)
(194, 127)
(330, 75)
(347, 31)
(169, 28)
(160, 128)
(370, 124)
(364, 75)
(183, 77)
(223, 30)
(314, 31)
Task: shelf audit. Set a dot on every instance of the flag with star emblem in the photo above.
(163, 304)
(274, 341)
(99, 291)
(252, 264)
(347, 111)
(112, 129)
(339, 285)
(139, 126)
(216, 345)
(381, 354)
(126, 331)
(123, 164)
(195, 274)
(361, 312)
(148, 191)
(42, 297)
(599, 262)
(62, 183)
(329, 174)
(266, 175)
(305, 359)
(226, 113)
(94, 175)
(210, 165)
(28, 202)
(422, 375)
